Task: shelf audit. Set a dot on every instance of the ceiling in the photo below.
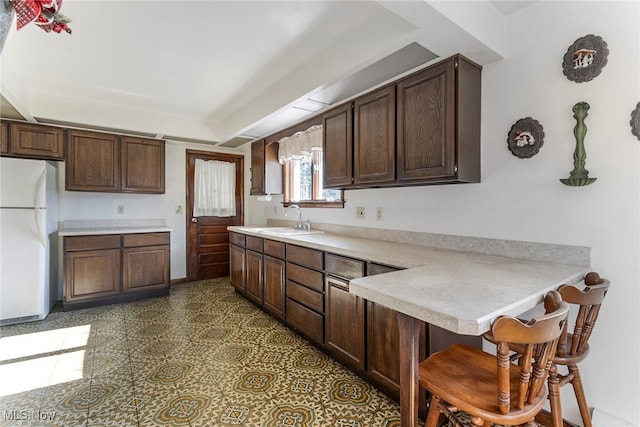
(226, 72)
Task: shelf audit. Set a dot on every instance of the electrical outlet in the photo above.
(360, 212)
(120, 209)
(379, 214)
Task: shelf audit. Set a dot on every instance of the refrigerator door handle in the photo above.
(38, 207)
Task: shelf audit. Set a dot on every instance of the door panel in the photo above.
(207, 237)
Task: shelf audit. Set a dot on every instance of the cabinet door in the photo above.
(266, 171)
(91, 274)
(427, 124)
(92, 162)
(383, 346)
(254, 276)
(274, 280)
(142, 165)
(145, 268)
(337, 147)
(36, 141)
(374, 137)
(237, 258)
(344, 323)
(257, 168)
(4, 137)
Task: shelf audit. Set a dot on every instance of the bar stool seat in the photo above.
(491, 389)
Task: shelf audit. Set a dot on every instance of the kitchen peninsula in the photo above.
(439, 294)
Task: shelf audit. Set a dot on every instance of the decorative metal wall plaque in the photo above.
(525, 138)
(585, 58)
(635, 121)
(579, 176)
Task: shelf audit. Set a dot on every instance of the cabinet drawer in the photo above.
(237, 239)
(254, 243)
(309, 278)
(344, 267)
(273, 248)
(88, 243)
(305, 321)
(145, 239)
(305, 296)
(304, 256)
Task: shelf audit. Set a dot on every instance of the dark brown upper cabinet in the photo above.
(142, 163)
(374, 118)
(438, 124)
(337, 147)
(422, 129)
(4, 137)
(92, 161)
(266, 171)
(104, 162)
(35, 141)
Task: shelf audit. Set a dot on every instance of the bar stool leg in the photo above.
(554, 397)
(576, 382)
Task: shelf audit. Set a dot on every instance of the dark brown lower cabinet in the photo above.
(140, 270)
(254, 276)
(274, 285)
(104, 269)
(237, 256)
(91, 275)
(305, 293)
(344, 323)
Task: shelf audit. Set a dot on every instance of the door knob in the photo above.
(194, 219)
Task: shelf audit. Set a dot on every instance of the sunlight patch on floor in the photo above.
(40, 359)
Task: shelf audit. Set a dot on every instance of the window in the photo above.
(301, 157)
(303, 183)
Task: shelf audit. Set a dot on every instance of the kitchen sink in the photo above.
(285, 231)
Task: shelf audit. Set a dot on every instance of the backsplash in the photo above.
(564, 254)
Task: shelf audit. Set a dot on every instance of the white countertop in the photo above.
(95, 227)
(457, 290)
(465, 294)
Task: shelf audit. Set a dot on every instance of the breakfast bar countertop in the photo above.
(461, 291)
(96, 227)
(465, 296)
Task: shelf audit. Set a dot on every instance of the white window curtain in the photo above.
(300, 144)
(214, 189)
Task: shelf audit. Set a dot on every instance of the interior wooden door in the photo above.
(207, 236)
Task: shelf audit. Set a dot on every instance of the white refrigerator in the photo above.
(28, 240)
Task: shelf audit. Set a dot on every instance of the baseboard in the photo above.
(600, 418)
(178, 281)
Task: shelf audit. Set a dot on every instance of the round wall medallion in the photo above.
(635, 121)
(525, 138)
(585, 58)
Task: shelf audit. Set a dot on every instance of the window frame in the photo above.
(287, 177)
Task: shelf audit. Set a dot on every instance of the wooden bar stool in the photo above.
(573, 348)
(492, 389)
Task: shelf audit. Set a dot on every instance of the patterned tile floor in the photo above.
(202, 356)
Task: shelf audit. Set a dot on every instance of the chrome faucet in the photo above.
(306, 226)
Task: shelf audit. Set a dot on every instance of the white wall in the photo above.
(76, 205)
(522, 199)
